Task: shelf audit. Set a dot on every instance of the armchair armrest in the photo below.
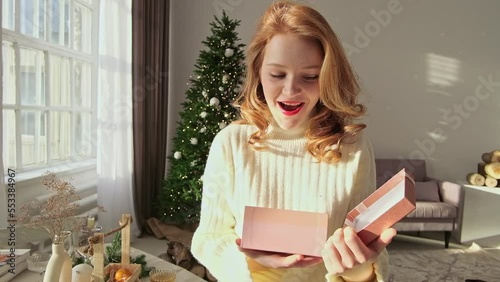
(451, 192)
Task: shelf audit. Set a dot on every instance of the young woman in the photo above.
(296, 147)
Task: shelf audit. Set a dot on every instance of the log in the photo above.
(493, 170)
(490, 181)
(486, 157)
(491, 157)
(480, 168)
(495, 156)
(475, 179)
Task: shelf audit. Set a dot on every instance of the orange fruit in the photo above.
(122, 274)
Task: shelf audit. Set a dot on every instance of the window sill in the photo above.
(63, 169)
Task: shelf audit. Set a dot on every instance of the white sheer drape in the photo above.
(114, 153)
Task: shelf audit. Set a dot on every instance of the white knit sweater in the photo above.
(285, 176)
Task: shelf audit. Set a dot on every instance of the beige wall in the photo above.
(423, 69)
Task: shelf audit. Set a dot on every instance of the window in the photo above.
(49, 50)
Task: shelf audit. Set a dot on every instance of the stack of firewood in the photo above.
(488, 171)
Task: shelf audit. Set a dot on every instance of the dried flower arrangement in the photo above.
(58, 213)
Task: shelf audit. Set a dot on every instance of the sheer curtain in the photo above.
(114, 124)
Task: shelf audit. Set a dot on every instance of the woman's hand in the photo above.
(279, 260)
(344, 250)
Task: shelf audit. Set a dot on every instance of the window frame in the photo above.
(19, 40)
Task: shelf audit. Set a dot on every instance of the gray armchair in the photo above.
(438, 202)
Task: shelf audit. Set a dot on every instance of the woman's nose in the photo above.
(291, 87)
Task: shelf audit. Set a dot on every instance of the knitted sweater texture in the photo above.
(285, 176)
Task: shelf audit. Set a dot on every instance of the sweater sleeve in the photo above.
(213, 243)
(364, 185)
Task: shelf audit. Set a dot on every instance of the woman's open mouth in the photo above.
(290, 108)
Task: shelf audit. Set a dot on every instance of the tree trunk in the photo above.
(475, 179)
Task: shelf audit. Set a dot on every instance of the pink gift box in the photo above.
(284, 231)
(383, 208)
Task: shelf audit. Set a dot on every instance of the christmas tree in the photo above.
(207, 109)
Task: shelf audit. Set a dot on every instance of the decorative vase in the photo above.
(59, 267)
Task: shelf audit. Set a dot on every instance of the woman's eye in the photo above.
(312, 77)
(277, 75)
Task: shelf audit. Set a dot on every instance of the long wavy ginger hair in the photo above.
(337, 107)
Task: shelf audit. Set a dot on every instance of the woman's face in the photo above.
(290, 78)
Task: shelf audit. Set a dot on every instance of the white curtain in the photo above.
(114, 124)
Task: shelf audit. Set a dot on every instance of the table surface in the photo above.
(183, 275)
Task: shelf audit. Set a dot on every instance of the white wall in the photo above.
(423, 71)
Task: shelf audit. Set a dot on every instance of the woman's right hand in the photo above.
(279, 260)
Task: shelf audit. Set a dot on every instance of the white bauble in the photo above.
(225, 78)
(229, 52)
(222, 125)
(204, 93)
(203, 130)
(214, 102)
(177, 155)
(194, 141)
(203, 114)
(82, 273)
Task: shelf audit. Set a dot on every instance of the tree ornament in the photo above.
(177, 155)
(194, 141)
(229, 52)
(226, 115)
(221, 89)
(203, 130)
(204, 93)
(222, 125)
(214, 102)
(203, 114)
(225, 78)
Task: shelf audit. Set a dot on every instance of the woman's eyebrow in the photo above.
(282, 66)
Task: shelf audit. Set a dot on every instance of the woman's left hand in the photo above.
(345, 250)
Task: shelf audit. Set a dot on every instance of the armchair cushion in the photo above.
(427, 191)
(433, 210)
